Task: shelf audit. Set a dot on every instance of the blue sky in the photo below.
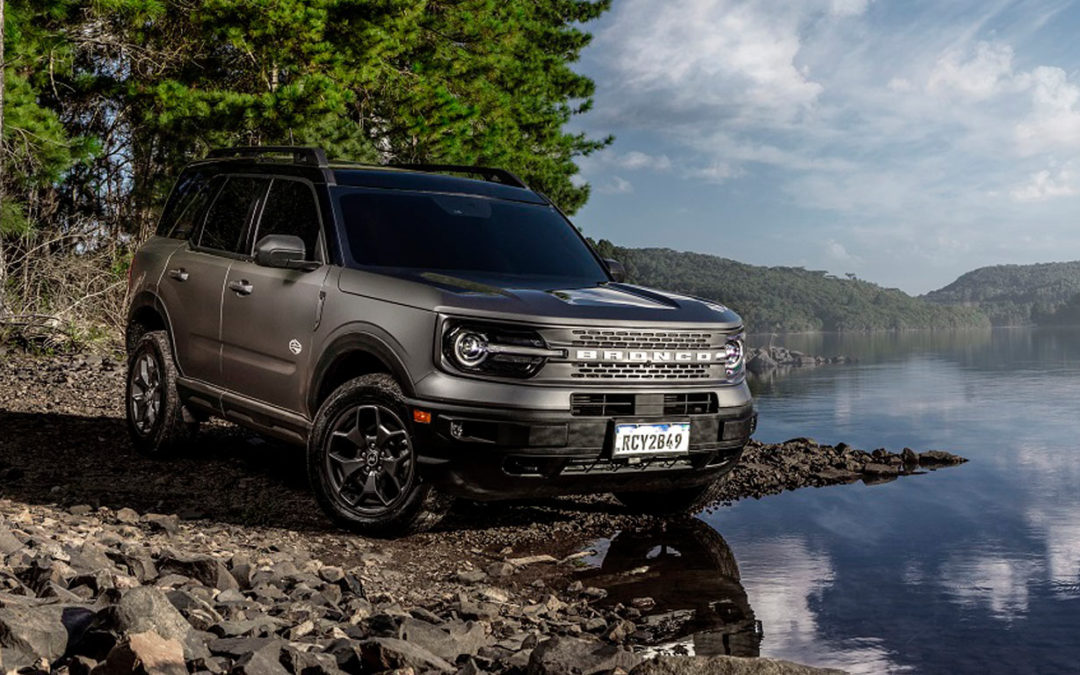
(904, 142)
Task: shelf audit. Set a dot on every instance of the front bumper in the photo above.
(487, 453)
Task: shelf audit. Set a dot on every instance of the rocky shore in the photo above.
(218, 561)
(760, 360)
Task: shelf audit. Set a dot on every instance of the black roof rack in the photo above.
(486, 172)
(300, 154)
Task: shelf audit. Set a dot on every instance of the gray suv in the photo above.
(423, 333)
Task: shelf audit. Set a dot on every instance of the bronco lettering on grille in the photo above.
(656, 356)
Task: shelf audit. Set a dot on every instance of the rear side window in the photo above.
(226, 223)
(188, 201)
(291, 209)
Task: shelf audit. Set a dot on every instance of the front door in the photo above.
(270, 315)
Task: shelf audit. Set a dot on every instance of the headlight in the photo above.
(470, 348)
(499, 351)
(733, 356)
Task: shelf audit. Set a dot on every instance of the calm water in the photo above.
(969, 569)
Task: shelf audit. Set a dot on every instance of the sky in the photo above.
(904, 142)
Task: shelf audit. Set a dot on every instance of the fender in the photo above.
(148, 299)
(361, 341)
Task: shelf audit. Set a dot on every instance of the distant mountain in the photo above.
(1015, 295)
(783, 299)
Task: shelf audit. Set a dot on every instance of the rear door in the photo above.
(269, 315)
(190, 287)
(195, 276)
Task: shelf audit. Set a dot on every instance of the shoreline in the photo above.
(231, 539)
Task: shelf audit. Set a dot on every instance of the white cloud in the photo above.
(713, 57)
(1046, 184)
(1054, 121)
(718, 172)
(848, 7)
(838, 252)
(636, 159)
(616, 186)
(985, 73)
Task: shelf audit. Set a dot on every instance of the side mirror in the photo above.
(286, 251)
(618, 272)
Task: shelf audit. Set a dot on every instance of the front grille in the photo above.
(627, 405)
(601, 405)
(614, 338)
(641, 371)
(690, 404)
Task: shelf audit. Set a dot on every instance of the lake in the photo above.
(974, 568)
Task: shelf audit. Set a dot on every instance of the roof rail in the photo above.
(300, 154)
(486, 172)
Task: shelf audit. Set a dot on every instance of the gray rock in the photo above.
(471, 576)
(263, 661)
(127, 516)
(81, 509)
(297, 660)
(725, 665)
(30, 633)
(205, 569)
(760, 363)
(877, 469)
(575, 656)
(331, 574)
(170, 524)
(379, 654)
(461, 638)
(146, 651)
(939, 458)
(144, 609)
(499, 569)
(9, 543)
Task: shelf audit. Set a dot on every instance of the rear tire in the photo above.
(675, 503)
(156, 419)
(362, 462)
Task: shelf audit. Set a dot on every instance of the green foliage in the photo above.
(783, 299)
(1014, 295)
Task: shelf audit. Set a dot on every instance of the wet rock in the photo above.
(877, 469)
(909, 457)
(574, 656)
(939, 458)
(725, 665)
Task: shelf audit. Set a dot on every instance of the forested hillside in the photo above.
(787, 298)
(1015, 295)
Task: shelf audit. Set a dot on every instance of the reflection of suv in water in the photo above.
(414, 328)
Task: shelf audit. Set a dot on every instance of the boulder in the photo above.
(575, 656)
(143, 609)
(760, 363)
(379, 654)
(146, 651)
(30, 633)
(205, 569)
(939, 458)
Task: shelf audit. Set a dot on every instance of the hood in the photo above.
(534, 300)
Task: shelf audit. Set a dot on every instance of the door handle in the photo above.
(180, 274)
(241, 287)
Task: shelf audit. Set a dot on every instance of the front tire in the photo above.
(362, 462)
(155, 416)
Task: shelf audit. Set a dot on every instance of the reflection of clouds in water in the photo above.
(1056, 513)
(991, 582)
(783, 577)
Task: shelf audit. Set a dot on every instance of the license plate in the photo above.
(633, 440)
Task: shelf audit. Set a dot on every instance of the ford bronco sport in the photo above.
(422, 333)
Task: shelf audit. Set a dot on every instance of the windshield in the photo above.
(466, 236)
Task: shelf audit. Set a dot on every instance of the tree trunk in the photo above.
(3, 70)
